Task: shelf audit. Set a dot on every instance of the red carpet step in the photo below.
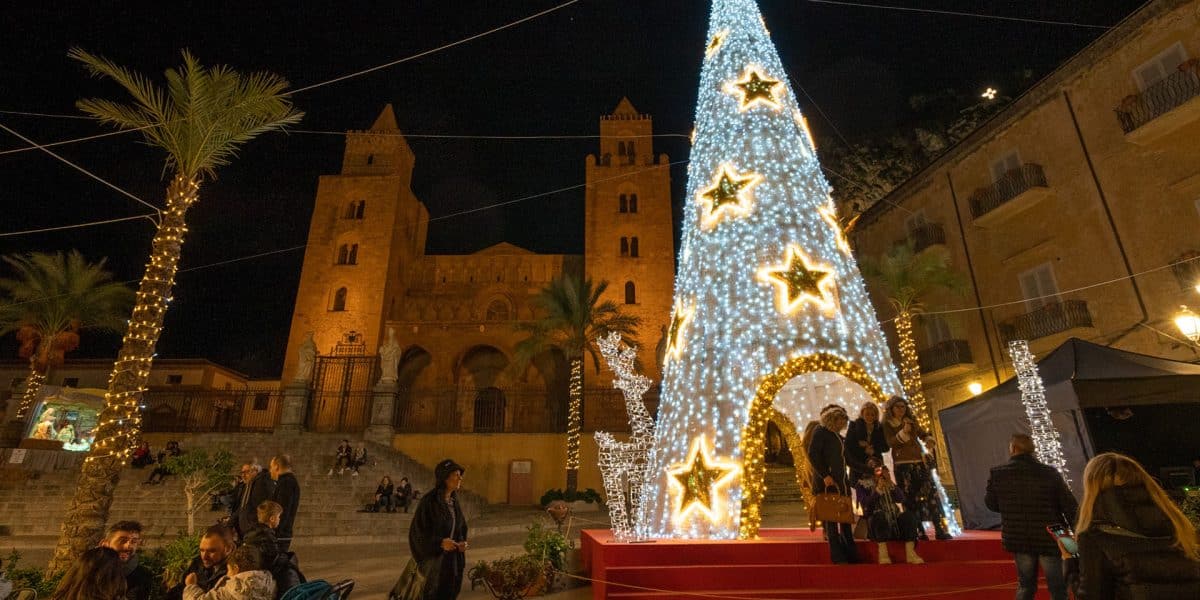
(794, 563)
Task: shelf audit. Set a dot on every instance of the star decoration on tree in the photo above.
(715, 43)
(675, 333)
(729, 193)
(799, 280)
(755, 89)
(698, 480)
(829, 214)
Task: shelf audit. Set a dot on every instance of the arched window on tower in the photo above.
(623, 204)
(624, 246)
(620, 148)
(362, 206)
(354, 253)
(370, 159)
(354, 210)
(632, 203)
(633, 247)
(497, 310)
(339, 300)
(629, 153)
(630, 293)
(343, 254)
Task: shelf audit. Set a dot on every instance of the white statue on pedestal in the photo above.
(389, 358)
(308, 356)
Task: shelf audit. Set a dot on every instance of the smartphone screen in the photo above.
(1066, 538)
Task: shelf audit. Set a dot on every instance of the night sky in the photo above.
(552, 76)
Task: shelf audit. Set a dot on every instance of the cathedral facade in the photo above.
(366, 272)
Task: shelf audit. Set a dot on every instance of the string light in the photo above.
(741, 349)
(1033, 396)
(677, 332)
(730, 193)
(624, 463)
(910, 369)
(697, 483)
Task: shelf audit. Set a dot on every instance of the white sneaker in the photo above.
(354, 474)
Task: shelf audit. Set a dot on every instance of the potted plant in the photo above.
(550, 547)
(509, 578)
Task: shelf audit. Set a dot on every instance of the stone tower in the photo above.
(367, 228)
(628, 225)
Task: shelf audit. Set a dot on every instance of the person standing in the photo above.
(865, 447)
(259, 487)
(826, 454)
(1133, 541)
(437, 536)
(1030, 496)
(287, 494)
(904, 436)
(125, 537)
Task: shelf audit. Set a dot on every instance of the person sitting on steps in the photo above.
(383, 495)
(358, 458)
(404, 494)
(342, 462)
(887, 520)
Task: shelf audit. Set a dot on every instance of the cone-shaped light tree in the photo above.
(199, 120)
(767, 291)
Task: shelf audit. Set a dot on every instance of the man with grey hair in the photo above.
(259, 487)
(1030, 496)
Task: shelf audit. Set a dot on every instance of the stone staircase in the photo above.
(329, 504)
(781, 485)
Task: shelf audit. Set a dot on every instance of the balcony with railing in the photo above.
(944, 355)
(1164, 107)
(1047, 320)
(924, 236)
(1014, 192)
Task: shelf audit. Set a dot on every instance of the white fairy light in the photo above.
(1033, 396)
(748, 332)
(624, 463)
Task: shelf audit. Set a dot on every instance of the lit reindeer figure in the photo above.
(622, 462)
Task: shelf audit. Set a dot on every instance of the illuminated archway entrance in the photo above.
(763, 410)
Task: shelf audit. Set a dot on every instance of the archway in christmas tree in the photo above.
(763, 411)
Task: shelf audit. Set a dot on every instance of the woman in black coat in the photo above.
(826, 454)
(1134, 543)
(865, 445)
(437, 536)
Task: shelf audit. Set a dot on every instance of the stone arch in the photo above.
(762, 410)
(412, 374)
(498, 308)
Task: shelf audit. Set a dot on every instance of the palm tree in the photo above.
(50, 299)
(199, 120)
(573, 317)
(908, 278)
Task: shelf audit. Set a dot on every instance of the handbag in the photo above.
(832, 508)
(411, 583)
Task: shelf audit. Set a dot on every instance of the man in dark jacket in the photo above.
(125, 537)
(259, 487)
(1029, 496)
(287, 494)
(209, 567)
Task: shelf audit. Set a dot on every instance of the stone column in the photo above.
(383, 408)
(295, 405)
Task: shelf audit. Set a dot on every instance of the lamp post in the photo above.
(1189, 324)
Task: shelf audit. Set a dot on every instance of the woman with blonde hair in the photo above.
(1134, 543)
(865, 447)
(97, 576)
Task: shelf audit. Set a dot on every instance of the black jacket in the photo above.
(206, 578)
(856, 452)
(138, 580)
(383, 491)
(261, 488)
(433, 522)
(825, 454)
(1029, 496)
(287, 494)
(262, 537)
(1126, 553)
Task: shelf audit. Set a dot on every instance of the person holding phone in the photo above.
(438, 534)
(1029, 496)
(903, 436)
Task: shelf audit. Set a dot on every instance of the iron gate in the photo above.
(341, 393)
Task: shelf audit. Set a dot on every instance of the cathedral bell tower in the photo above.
(628, 226)
(367, 227)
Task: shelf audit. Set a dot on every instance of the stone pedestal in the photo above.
(383, 408)
(295, 405)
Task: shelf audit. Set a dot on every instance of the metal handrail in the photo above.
(1047, 320)
(1012, 184)
(1160, 98)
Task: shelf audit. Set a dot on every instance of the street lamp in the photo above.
(1188, 323)
(975, 388)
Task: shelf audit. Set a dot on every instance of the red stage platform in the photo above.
(794, 563)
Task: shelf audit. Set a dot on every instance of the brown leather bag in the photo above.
(832, 507)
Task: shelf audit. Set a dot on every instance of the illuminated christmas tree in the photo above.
(772, 319)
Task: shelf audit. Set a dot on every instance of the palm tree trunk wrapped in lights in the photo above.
(200, 120)
(910, 368)
(574, 422)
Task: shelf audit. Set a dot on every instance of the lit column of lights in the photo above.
(33, 385)
(120, 422)
(771, 292)
(910, 369)
(574, 418)
(1033, 396)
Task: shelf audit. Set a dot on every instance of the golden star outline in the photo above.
(729, 193)
(799, 281)
(680, 318)
(697, 480)
(718, 39)
(755, 89)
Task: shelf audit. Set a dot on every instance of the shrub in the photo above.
(589, 495)
(508, 578)
(170, 561)
(547, 545)
(29, 577)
